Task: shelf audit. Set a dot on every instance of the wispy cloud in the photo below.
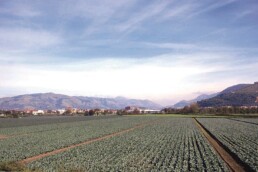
(146, 13)
(180, 10)
(170, 45)
(23, 39)
(19, 10)
(204, 8)
(98, 13)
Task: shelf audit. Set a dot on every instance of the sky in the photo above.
(161, 50)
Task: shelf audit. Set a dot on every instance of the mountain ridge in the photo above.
(184, 103)
(51, 100)
(236, 95)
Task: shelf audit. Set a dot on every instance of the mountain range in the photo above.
(50, 101)
(237, 95)
(184, 103)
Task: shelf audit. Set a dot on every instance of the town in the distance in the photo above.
(237, 99)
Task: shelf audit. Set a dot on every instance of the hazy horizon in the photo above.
(164, 51)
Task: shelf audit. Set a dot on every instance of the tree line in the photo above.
(222, 110)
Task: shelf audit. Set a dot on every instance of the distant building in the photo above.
(134, 109)
(2, 115)
(150, 111)
(61, 111)
(112, 112)
(38, 112)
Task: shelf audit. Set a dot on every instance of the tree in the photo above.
(186, 110)
(136, 111)
(86, 113)
(225, 110)
(68, 112)
(91, 112)
(194, 108)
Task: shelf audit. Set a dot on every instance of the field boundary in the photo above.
(232, 161)
(3, 137)
(241, 121)
(40, 156)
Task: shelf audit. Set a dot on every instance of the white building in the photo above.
(61, 111)
(150, 111)
(38, 112)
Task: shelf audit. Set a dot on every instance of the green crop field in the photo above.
(239, 135)
(126, 143)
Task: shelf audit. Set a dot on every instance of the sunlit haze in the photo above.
(162, 50)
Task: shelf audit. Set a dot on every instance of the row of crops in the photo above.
(40, 120)
(168, 144)
(45, 138)
(239, 135)
(173, 144)
(48, 123)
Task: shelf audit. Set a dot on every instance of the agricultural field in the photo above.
(39, 120)
(239, 135)
(168, 145)
(33, 140)
(127, 143)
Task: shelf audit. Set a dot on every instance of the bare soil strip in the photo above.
(232, 161)
(34, 158)
(3, 137)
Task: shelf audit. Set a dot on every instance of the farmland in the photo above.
(128, 143)
(239, 135)
(33, 140)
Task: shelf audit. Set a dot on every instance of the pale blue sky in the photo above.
(162, 50)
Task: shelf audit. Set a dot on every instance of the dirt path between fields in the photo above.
(231, 161)
(3, 137)
(34, 158)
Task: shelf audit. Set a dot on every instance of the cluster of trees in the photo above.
(192, 109)
(99, 112)
(223, 110)
(11, 113)
(125, 112)
(90, 112)
(17, 113)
